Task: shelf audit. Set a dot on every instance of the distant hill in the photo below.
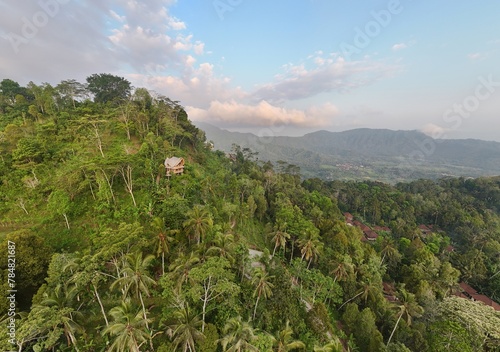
(376, 154)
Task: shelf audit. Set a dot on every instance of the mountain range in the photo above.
(368, 154)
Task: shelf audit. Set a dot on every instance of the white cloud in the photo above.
(117, 17)
(196, 85)
(399, 46)
(320, 75)
(78, 38)
(233, 113)
(175, 24)
(476, 56)
(434, 131)
(199, 48)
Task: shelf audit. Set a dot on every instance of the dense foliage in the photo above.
(232, 255)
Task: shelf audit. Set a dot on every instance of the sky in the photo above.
(277, 67)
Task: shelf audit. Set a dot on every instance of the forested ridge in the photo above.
(232, 255)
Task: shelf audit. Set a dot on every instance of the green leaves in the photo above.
(108, 88)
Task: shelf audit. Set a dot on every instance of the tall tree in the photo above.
(310, 247)
(185, 329)
(59, 305)
(135, 276)
(71, 91)
(285, 342)
(263, 286)
(108, 88)
(280, 237)
(181, 266)
(128, 328)
(212, 281)
(238, 336)
(9, 89)
(408, 307)
(162, 240)
(199, 222)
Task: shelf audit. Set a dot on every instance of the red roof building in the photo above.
(425, 230)
(382, 228)
(371, 235)
(466, 291)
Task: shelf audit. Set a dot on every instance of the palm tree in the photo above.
(369, 289)
(263, 288)
(223, 246)
(285, 341)
(408, 307)
(162, 240)
(389, 251)
(186, 329)
(311, 247)
(342, 268)
(280, 237)
(60, 301)
(332, 346)
(238, 336)
(128, 328)
(199, 222)
(135, 276)
(181, 266)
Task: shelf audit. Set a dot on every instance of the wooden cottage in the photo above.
(174, 165)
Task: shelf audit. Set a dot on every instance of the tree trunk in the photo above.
(163, 263)
(22, 206)
(205, 300)
(110, 186)
(144, 311)
(90, 184)
(66, 219)
(100, 304)
(255, 309)
(349, 300)
(395, 327)
(98, 137)
(127, 177)
(146, 321)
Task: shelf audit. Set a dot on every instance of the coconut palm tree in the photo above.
(185, 330)
(389, 251)
(199, 222)
(332, 346)
(310, 247)
(60, 302)
(134, 276)
(163, 240)
(223, 246)
(368, 290)
(285, 341)
(181, 266)
(263, 286)
(128, 328)
(342, 268)
(280, 237)
(407, 307)
(238, 336)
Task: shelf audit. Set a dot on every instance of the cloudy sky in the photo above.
(279, 66)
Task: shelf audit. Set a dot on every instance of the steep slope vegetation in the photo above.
(113, 255)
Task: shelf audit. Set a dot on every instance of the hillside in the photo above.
(367, 154)
(105, 249)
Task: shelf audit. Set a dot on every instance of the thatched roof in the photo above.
(173, 162)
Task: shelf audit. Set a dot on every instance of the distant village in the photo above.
(463, 290)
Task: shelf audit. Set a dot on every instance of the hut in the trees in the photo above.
(174, 165)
